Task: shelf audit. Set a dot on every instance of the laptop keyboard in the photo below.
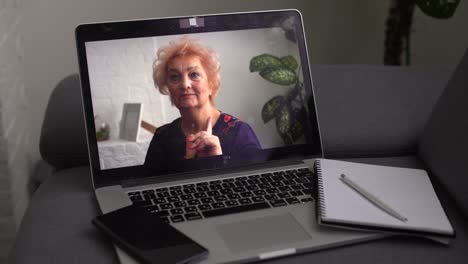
(188, 202)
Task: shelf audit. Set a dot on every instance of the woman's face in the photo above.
(187, 82)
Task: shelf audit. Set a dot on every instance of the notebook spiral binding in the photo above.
(321, 201)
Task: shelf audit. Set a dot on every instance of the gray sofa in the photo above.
(398, 116)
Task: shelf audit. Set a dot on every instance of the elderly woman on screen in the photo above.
(189, 73)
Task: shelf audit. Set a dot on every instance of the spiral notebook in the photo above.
(407, 191)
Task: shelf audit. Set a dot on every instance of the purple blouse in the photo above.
(167, 148)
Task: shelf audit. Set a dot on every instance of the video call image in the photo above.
(189, 98)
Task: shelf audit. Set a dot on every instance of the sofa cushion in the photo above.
(366, 110)
(63, 138)
(444, 143)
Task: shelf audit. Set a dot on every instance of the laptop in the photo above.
(243, 204)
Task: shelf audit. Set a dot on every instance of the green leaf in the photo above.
(283, 124)
(261, 62)
(279, 76)
(296, 130)
(290, 62)
(271, 107)
(438, 8)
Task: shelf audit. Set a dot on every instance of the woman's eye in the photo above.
(194, 75)
(174, 77)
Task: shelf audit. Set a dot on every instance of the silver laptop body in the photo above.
(107, 57)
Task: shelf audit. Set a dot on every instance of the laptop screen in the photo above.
(186, 94)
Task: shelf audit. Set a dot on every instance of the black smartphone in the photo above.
(147, 238)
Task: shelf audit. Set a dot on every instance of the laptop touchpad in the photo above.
(262, 232)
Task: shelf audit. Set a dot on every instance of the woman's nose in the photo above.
(186, 83)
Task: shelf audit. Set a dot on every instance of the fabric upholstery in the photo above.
(63, 138)
(444, 143)
(375, 110)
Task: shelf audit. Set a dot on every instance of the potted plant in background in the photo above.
(399, 22)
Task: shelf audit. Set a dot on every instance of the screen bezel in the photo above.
(171, 26)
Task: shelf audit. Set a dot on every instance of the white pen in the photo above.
(372, 198)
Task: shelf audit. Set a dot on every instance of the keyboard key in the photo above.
(284, 188)
(173, 199)
(296, 193)
(284, 195)
(245, 201)
(193, 202)
(246, 194)
(220, 198)
(176, 192)
(226, 191)
(271, 197)
(305, 200)
(193, 216)
(159, 200)
(264, 186)
(178, 187)
(240, 183)
(165, 220)
(204, 207)
(217, 205)
(180, 204)
(252, 187)
(212, 193)
(133, 193)
(191, 209)
(162, 213)
(163, 194)
(215, 182)
(202, 188)
(253, 181)
(164, 189)
(206, 200)
(166, 206)
(307, 191)
(256, 176)
(231, 203)
(187, 186)
(233, 196)
(151, 191)
(202, 184)
(236, 209)
(259, 192)
(228, 180)
(186, 197)
(200, 195)
(152, 209)
(292, 200)
(277, 203)
(214, 187)
(228, 185)
(257, 199)
(189, 190)
(272, 190)
(177, 211)
(135, 198)
(238, 189)
(276, 184)
(177, 218)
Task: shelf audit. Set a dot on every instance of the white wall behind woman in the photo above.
(338, 32)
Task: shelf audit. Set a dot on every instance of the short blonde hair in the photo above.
(186, 46)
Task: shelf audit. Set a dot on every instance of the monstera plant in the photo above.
(289, 109)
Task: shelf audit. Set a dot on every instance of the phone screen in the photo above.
(147, 237)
